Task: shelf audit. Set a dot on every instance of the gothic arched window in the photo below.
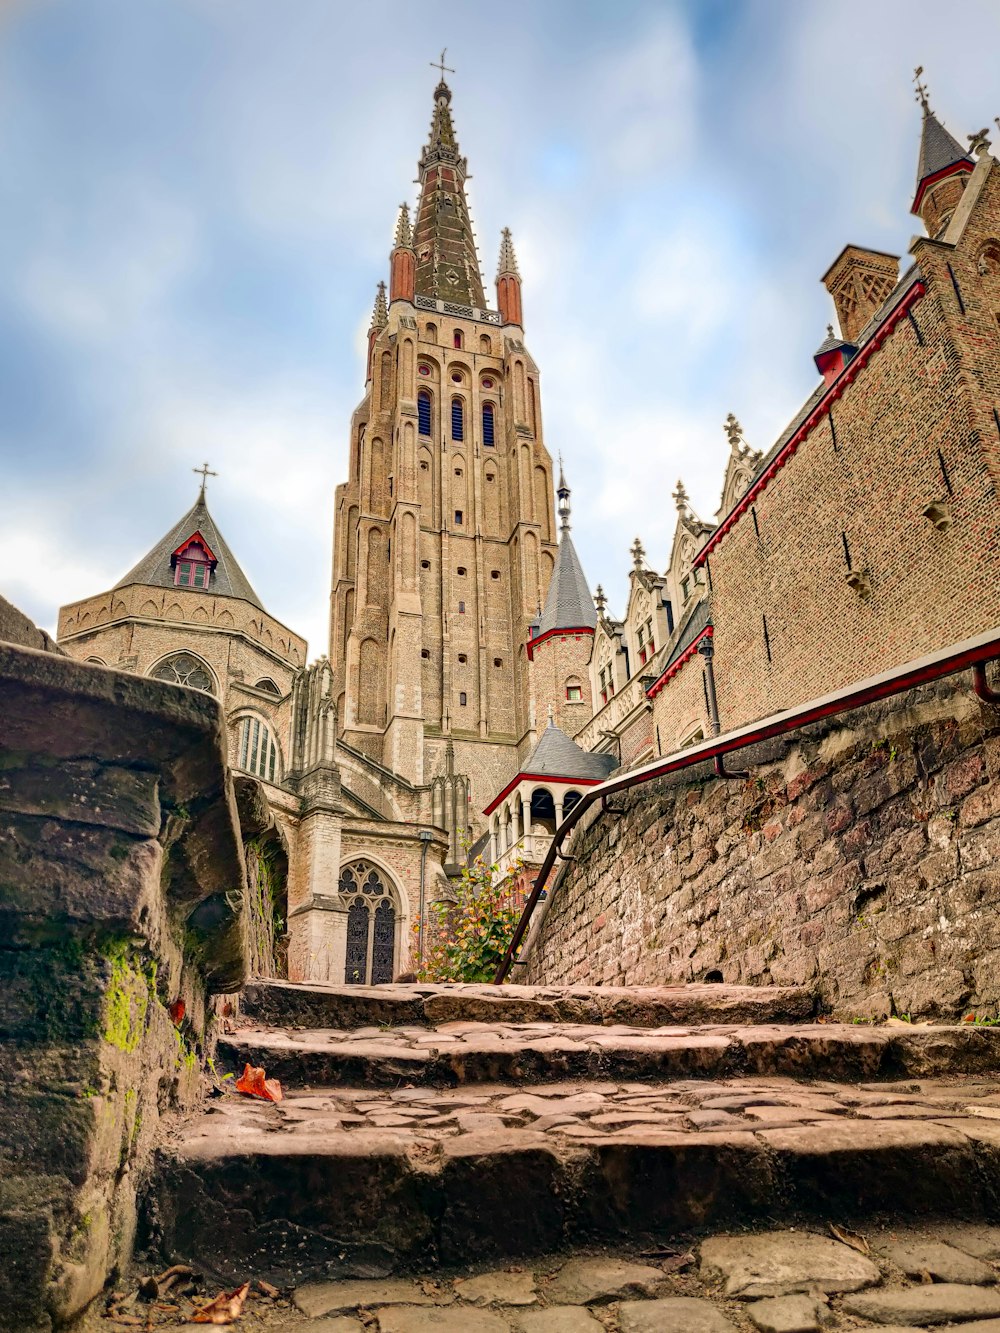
(457, 419)
(487, 423)
(185, 669)
(371, 925)
(424, 412)
(257, 751)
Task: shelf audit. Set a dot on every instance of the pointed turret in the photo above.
(943, 167)
(403, 264)
(193, 554)
(380, 318)
(509, 282)
(569, 604)
(447, 265)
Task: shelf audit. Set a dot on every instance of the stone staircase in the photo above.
(425, 1126)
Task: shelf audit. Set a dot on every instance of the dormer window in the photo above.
(193, 563)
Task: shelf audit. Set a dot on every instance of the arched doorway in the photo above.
(371, 924)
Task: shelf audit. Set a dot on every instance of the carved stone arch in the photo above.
(149, 608)
(225, 619)
(183, 667)
(425, 482)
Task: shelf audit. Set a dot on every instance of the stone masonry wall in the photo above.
(861, 856)
(121, 912)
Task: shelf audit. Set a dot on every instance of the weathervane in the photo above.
(439, 64)
(204, 472)
(921, 93)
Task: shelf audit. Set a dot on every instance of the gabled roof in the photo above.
(568, 604)
(557, 756)
(156, 568)
(938, 149)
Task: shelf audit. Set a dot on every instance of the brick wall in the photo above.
(859, 857)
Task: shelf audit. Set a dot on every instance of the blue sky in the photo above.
(198, 199)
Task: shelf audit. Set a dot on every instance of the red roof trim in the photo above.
(674, 667)
(195, 537)
(538, 777)
(846, 377)
(577, 630)
(963, 164)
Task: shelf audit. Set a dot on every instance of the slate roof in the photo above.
(938, 149)
(698, 618)
(556, 756)
(228, 580)
(568, 604)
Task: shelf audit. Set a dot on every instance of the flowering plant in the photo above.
(465, 940)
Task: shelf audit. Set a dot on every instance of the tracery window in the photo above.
(257, 751)
(185, 669)
(371, 925)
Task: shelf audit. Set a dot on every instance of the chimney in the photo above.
(859, 281)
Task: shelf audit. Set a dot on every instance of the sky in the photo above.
(198, 199)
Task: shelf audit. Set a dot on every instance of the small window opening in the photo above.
(498, 661)
(458, 472)
(494, 573)
(462, 699)
(488, 424)
(457, 419)
(461, 608)
(462, 658)
(457, 338)
(424, 414)
(460, 571)
(425, 654)
(458, 518)
(574, 693)
(425, 564)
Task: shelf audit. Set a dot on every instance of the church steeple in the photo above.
(402, 270)
(447, 263)
(943, 167)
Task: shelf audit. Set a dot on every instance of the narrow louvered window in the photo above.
(457, 419)
(424, 412)
(487, 423)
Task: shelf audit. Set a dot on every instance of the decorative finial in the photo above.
(204, 472)
(562, 494)
(829, 330)
(600, 600)
(638, 554)
(979, 142)
(921, 94)
(508, 259)
(404, 232)
(681, 498)
(440, 65)
(380, 314)
(734, 433)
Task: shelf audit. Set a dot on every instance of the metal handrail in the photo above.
(974, 653)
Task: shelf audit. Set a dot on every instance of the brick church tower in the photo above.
(444, 538)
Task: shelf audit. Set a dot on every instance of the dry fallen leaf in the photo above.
(254, 1084)
(848, 1237)
(226, 1308)
(267, 1289)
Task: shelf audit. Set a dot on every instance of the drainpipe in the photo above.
(707, 650)
(426, 837)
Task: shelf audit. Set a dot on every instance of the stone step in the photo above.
(347, 1180)
(286, 1004)
(472, 1053)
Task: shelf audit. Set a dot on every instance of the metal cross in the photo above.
(922, 93)
(439, 64)
(204, 472)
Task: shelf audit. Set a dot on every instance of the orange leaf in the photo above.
(176, 1012)
(254, 1084)
(227, 1306)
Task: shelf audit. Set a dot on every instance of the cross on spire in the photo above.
(204, 472)
(921, 94)
(440, 65)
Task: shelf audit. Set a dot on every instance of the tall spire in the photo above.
(380, 315)
(404, 232)
(447, 262)
(509, 283)
(508, 259)
(941, 157)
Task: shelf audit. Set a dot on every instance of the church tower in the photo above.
(444, 538)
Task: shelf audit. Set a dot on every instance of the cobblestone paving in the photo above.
(789, 1281)
(596, 1110)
